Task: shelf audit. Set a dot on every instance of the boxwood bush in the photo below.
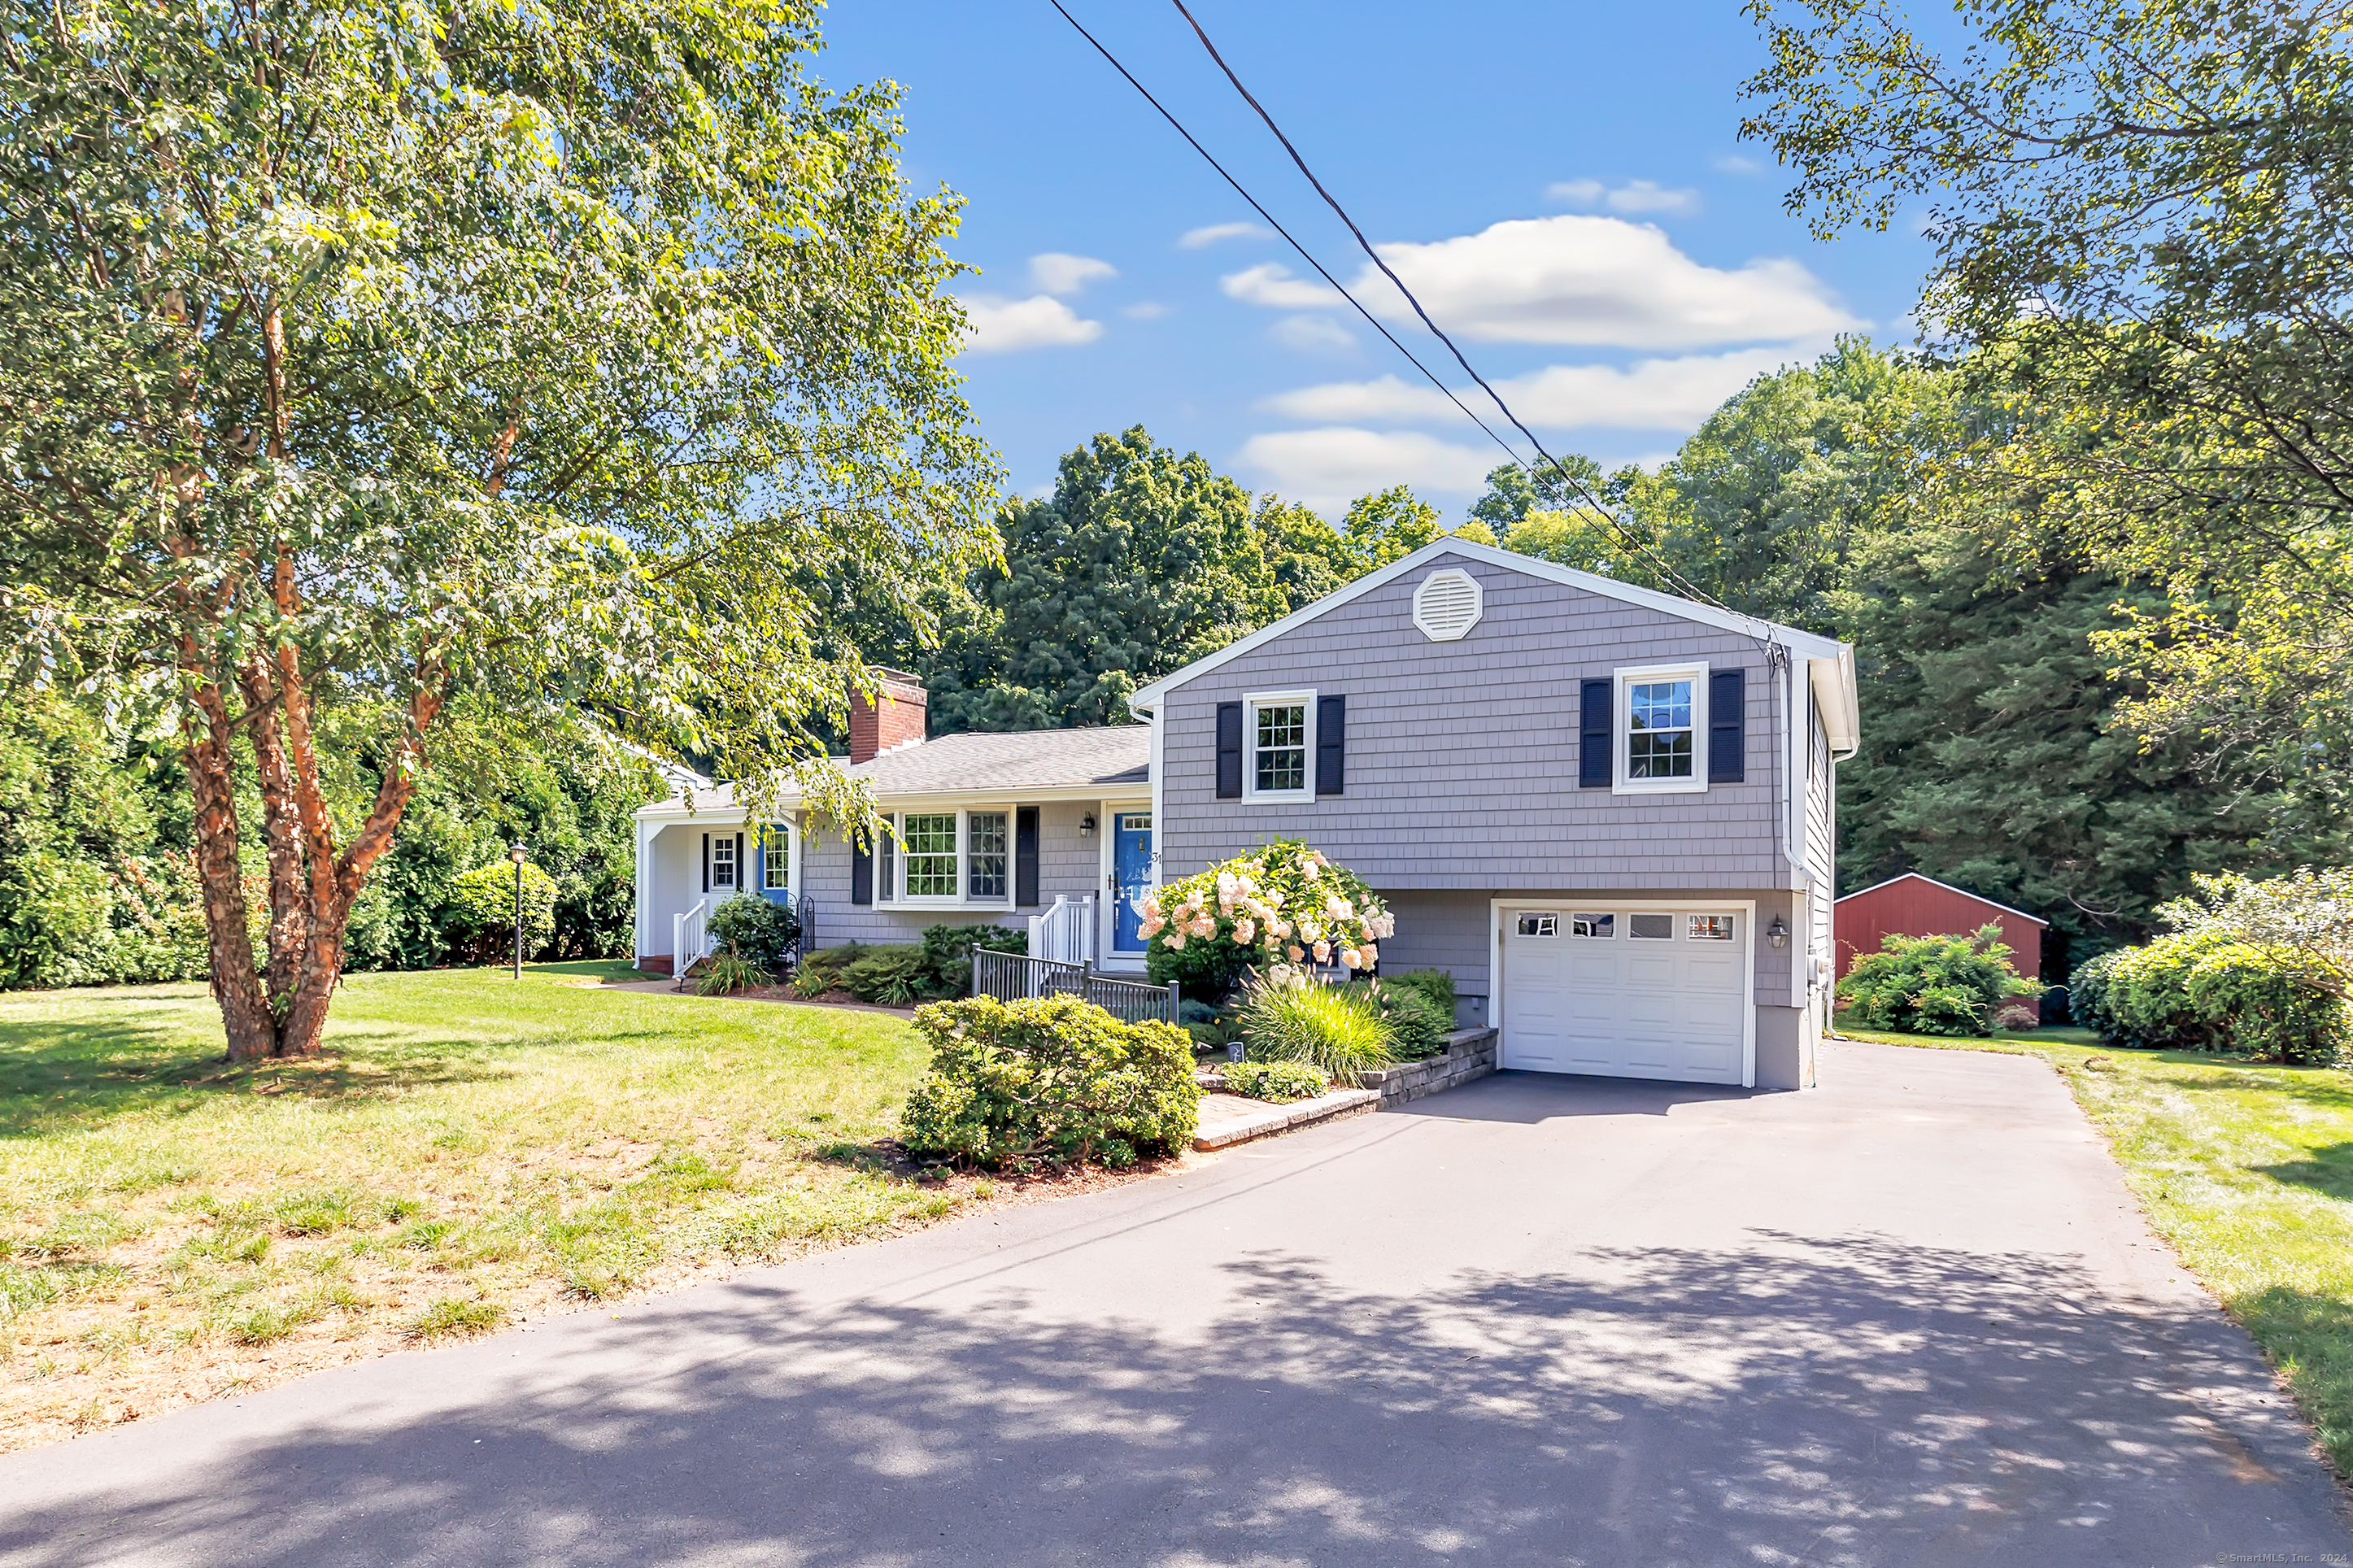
(1047, 1080)
(1416, 1029)
(1934, 985)
(1276, 1082)
(2203, 992)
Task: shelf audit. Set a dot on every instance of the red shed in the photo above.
(1914, 905)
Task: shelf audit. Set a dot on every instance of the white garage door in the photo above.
(1627, 992)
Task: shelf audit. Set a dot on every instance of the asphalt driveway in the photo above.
(1911, 1319)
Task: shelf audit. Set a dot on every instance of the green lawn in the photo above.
(471, 1151)
(2247, 1169)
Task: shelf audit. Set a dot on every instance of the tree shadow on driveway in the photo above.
(1818, 1401)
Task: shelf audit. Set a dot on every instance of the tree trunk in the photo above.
(246, 1017)
(289, 924)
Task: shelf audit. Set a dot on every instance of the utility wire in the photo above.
(1576, 484)
(1305, 255)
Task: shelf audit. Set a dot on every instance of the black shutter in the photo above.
(1229, 751)
(862, 873)
(706, 862)
(1728, 726)
(1593, 770)
(1024, 855)
(739, 883)
(1331, 745)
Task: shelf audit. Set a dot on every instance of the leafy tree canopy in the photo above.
(403, 353)
(2142, 232)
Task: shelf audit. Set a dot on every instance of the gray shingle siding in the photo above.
(1461, 757)
(1067, 865)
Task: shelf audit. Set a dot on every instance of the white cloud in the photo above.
(1634, 196)
(1209, 234)
(1056, 272)
(1329, 467)
(1271, 284)
(1146, 310)
(1312, 334)
(997, 325)
(1651, 394)
(1733, 163)
(1591, 281)
(1650, 197)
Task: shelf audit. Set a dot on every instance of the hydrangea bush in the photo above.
(1275, 910)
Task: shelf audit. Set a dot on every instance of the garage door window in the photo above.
(1539, 925)
(1651, 928)
(1601, 926)
(1711, 927)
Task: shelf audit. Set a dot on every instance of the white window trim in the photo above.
(1252, 702)
(897, 894)
(1623, 682)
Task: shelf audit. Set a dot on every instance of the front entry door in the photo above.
(1131, 870)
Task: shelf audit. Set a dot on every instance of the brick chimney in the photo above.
(896, 719)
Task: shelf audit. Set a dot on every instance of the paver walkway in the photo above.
(1910, 1318)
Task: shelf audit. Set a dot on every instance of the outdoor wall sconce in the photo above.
(1087, 825)
(1778, 934)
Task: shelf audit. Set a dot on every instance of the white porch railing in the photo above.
(1065, 934)
(687, 938)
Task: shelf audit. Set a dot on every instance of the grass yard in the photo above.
(2247, 1169)
(471, 1151)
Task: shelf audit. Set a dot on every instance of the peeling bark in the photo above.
(251, 1028)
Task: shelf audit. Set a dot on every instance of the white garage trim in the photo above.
(1699, 903)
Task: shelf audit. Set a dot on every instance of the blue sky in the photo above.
(1562, 185)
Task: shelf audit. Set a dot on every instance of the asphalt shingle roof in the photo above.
(1026, 759)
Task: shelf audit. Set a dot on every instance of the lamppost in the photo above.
(516, 855)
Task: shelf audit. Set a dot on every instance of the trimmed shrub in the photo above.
(1435, 983)
(1934, 985)
(1416, 1029)
(1338, 1028)
(1047, 1080)
(2201, 991)
(481, 911)
(1272, 911)
(759, 931)
(1276, 1082)
(891, 976)
(948, 950)
(2018, 1018)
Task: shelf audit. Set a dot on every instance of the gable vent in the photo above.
(1447, 604)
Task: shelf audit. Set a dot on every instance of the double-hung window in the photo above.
(722, 862)
(985, 861)
(962, 857)
(931, 840)
(1279, 746)
(1662, 730)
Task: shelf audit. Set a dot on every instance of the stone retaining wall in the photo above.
(1469, 1053)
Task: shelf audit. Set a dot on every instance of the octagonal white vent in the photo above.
(1447, 604)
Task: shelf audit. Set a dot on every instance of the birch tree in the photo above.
(406, 351)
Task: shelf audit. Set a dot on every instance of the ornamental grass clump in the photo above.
(1047, 1080)
(1338, 1028)
(1273, 912)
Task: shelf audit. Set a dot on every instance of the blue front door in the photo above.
(1130, 864)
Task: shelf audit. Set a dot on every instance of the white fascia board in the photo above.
(1833, 680)
(1920, 876)
(1806, 642)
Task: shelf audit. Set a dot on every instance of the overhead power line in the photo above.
(1305, 254)
(1575, 484)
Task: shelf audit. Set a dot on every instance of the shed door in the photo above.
(1626, 993)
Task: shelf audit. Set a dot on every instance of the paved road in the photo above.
(1911, 1319)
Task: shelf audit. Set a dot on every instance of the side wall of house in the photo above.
(1461, 764)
